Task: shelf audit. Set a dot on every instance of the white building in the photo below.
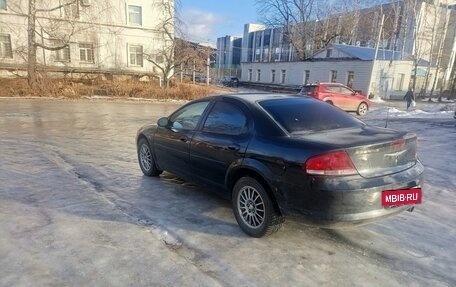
(388, 76)
(103, 35)
(428, 32)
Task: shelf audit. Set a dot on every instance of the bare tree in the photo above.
(313, 24)
(294, 16)
(174, 53)
(191, 56)
(162, 55)
(32, 33)
(46, 28)
(438, 48)
(421, 20)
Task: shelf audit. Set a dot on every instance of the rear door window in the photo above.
(297, 115)
(227, 119)
(332, 89)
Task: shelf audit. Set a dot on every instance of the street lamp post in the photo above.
(207, 68)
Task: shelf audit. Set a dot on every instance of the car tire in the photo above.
(362, 109)
(254, 209)
(146, 159)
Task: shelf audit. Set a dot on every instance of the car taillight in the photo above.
(332, 163)
(398, 144)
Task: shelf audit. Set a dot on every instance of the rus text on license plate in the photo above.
(401, 197)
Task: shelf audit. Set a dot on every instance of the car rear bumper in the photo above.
(344, 220)
(341, 202)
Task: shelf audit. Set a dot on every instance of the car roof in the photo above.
(325, 83)
(256, 97)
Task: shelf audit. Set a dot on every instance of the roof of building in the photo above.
(368, 54)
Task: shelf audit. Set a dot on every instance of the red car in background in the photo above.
(338, 95)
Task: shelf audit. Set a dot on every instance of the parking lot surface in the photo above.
(75, 210)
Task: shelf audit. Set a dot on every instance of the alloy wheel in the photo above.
(251, 207)
(145, 157)
(362, 109)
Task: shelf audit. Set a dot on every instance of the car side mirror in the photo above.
(163, 122)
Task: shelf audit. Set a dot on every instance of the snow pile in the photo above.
(442, 100)
(447, 107)
(392, 112)
(377, 100)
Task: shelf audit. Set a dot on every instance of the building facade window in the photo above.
(283, 76)
(86, 53)
(258, 75)
(71, 9)
(257, 55)
(135, 15)
(333, 76)
(250, 75)
(329, 53)
(273, 76)
(135, 53)
(400, 82)
(6, 50)
(62, 55)
(306, 77)
(350, 79)
(2, 4)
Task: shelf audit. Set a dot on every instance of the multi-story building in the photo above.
(86, 35)
(421, 33)
(228, 52)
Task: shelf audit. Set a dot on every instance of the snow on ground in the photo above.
(75, 210)
(414, 113)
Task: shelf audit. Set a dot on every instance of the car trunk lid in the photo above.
(384, 158)
(374, 151)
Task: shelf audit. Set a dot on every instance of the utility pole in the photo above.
(379, 36)
(193, 72)
(207, 68)
(31, 55)
(376, 52)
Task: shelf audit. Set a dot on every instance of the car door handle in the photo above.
(233, 147)
(184, 139)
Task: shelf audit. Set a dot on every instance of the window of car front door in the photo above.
(346, 91)
(188, 117)
(347, 99)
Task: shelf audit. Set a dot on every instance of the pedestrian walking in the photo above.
(410, 98)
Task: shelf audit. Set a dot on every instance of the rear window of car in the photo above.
(298, 115)
(308, 89)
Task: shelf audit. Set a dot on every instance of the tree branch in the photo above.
(58, 7)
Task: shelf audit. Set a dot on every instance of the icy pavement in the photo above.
(75, 210)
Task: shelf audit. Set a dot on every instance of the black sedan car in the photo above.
(279, 156)
(230, 82)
